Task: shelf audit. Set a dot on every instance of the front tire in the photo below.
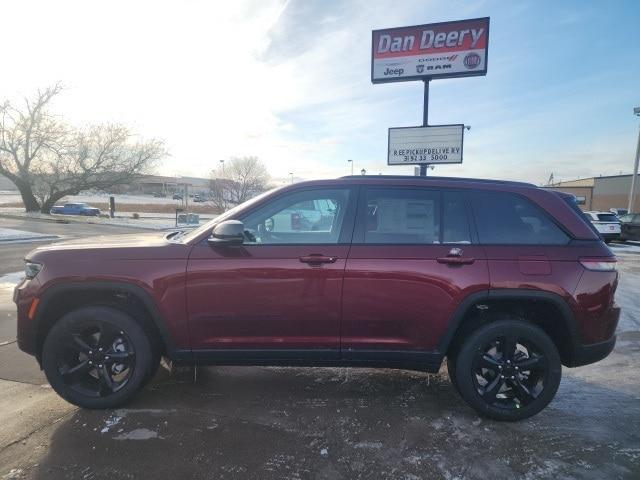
(508, 370)
(97, 357)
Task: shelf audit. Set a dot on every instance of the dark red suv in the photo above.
(506, 280)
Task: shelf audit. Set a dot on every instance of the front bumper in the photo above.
(610, 236)
(23, 296)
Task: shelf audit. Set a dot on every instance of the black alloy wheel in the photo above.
(96, 360)
(97, 357)
(508, 370)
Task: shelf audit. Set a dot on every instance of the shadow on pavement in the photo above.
(254, 422)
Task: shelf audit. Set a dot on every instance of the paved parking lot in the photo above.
(255, 422)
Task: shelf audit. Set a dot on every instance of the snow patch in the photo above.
(11, 279)
(11, 235)
(138, 434)
(13, 473)
(111, 421)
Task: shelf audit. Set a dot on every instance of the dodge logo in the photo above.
(419, 68)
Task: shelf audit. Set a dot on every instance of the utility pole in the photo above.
(632, 193)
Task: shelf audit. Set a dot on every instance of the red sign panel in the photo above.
(436, 50)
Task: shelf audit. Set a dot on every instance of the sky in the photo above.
(289, 82)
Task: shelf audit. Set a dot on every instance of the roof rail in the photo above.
(459, 179)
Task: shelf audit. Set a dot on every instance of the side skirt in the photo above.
(405, 360)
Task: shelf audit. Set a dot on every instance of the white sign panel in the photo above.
(434, 144)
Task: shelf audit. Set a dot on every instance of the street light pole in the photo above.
(222, 162)
(291, 173)
(351, 162)
(632, 193)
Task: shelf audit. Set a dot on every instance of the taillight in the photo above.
(599, 264)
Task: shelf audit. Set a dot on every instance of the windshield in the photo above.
(607, 217)
(193, 234)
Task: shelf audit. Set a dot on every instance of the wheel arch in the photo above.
(130, 298)
(548, 310)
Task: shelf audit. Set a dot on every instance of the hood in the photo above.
(135, 240)
(135, 246)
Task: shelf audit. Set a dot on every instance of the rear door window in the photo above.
(508, 219)
(402, 216)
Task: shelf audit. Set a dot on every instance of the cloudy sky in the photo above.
(289, 81)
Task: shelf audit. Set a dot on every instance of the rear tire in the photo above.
(97, 357)
(508, 370)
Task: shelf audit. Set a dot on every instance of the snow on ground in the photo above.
(11, 279)
(13, 196)
(11, 235)
(145, 223)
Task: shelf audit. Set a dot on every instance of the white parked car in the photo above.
(607, 224)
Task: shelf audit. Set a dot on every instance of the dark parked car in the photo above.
(177, 196)
(630, 227)
(75, 209)
(506, 280)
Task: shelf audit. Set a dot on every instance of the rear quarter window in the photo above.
(509, 219)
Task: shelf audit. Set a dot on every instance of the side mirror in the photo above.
(229, 232)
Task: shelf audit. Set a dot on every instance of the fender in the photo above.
(567, 316)
(138, 292)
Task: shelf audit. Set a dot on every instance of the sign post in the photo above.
(428, 52)
(425, 121)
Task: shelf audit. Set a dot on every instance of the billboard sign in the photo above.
(436, 144)
(436, 50)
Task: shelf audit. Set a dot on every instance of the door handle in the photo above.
(317, 259)
(455, 260)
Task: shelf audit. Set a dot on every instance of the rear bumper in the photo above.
(586, 354)
(594, 352)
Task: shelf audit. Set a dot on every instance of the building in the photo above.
(600, 193)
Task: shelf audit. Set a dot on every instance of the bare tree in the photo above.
(244, 178)
(48, 160)
(25, 136)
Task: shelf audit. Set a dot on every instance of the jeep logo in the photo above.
(395, 71)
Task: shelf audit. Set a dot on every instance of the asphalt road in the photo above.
(11, 254)
(333, 423)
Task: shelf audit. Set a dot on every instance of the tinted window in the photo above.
(503, 218)
(402, 216)
(607, 217)
(626, 218)
(293, 218)
(455, 224)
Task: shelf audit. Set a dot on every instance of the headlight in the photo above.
(31, 269)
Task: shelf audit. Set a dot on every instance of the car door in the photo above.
(412, 262)
(279, 293)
